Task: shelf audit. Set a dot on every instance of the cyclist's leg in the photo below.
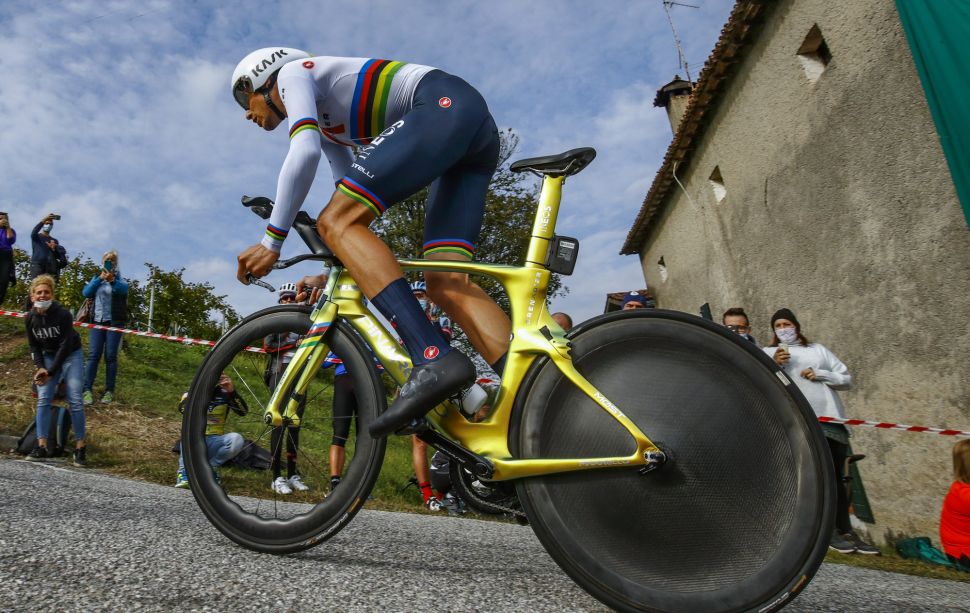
(452, 225)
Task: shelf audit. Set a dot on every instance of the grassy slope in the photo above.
(133, 436)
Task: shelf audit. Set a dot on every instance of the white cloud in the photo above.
(119, 115)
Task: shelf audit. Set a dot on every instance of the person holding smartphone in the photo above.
(47, 256)
(819, 374)
(109, 295)
(55, 347)
(7, 238)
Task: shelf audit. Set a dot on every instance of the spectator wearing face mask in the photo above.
(47, 255)
(56, 350)
(110, 308)
(7, 238)
(819, 375)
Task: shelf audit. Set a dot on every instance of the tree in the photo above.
(184, 307)
(510, 206)
(180, 307)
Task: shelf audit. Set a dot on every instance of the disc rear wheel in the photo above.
(739, 517)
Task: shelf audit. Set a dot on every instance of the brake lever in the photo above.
(263, 284)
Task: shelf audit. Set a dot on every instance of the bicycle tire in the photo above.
(323, 519)
(740, 517)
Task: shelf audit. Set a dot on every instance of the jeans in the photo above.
(107, 342)
(6, 265)
(73, 375)
(220, 448)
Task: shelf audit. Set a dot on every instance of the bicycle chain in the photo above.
(514, 512)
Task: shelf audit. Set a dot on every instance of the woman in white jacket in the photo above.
(818, 373)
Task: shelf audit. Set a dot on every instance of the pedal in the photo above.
(415, 426)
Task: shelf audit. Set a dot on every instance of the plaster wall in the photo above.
(841, 207)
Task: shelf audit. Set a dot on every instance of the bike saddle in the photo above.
(563, 164)
(261, 205)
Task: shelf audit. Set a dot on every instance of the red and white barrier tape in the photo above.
(888, 426)
(165, 337)
(825, 420)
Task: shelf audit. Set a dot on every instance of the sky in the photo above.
(119, 117)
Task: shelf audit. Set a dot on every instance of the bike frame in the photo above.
(535, 334)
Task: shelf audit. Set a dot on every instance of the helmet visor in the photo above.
(242, 91)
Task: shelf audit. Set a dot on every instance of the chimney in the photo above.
(674, 96)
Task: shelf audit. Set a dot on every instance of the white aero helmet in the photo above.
(256, 69)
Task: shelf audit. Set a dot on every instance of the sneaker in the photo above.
(860, 545)
(434, 505)
(181, 480)
(841, 544)
(334, 482)
(297, 484)
(281, 486)
(38, 454)
(453, 505)
(108, 397)
(81, 457)
(427, 386)
(88, 398)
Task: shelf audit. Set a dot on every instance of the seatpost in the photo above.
(545, 222)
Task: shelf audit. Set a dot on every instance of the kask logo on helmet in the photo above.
(262, 66)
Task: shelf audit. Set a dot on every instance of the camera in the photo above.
(56, 217)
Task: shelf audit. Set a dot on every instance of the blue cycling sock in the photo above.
(397, 303)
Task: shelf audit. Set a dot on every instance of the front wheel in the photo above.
(738, 519)
(249, 506)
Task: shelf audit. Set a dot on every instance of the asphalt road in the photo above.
(73, 539)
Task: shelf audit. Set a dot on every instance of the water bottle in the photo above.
(472, 399)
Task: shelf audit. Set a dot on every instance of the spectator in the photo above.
(818, 374)
(55, 347)
(109, 293)
(565, 321)
(344, 409)
(47, 255)
(7, 238)
(220, 447)
(636, 300)
(280, 349)
(955, 518)
(736, 320)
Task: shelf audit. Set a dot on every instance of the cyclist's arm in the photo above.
(300, 166)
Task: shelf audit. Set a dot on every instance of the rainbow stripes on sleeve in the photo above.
(307, 123)
(450, 245)
(369, 105)
(274, 237)
(362, 195)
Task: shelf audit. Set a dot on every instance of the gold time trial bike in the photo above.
(665, 463)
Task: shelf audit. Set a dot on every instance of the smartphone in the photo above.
(783, 346)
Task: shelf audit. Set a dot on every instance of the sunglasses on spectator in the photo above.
(288, 299)
(738, 328)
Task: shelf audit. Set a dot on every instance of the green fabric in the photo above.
(857, 494)
(938, 31)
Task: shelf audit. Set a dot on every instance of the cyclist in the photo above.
(412, 126)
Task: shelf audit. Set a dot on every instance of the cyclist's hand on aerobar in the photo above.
(310, 285)
(256, 259)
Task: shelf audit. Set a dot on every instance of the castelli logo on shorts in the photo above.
(430, 353)
(444, 102)
(308, 64)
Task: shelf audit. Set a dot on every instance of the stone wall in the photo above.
(840, 206)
